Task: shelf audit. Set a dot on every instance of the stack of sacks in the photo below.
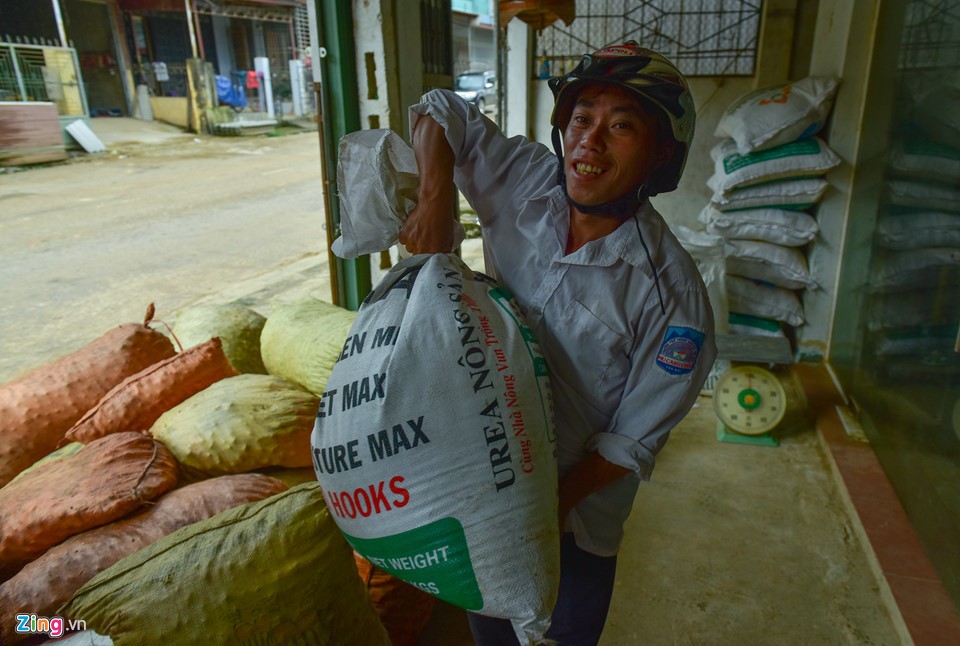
(917, 261)
(767, 181)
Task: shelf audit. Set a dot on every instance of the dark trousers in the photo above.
(586, 586)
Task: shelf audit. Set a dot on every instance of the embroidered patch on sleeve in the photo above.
(679, 351)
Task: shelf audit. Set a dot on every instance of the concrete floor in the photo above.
(734, 544)
(728, 544)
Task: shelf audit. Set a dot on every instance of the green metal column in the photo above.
(339, 114)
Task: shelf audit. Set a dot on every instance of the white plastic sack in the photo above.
(434, 443)
(786, 194)
(781, 266)
(918, 268)
(778, 115)
(809, 157)
(766, 301)
(378, 182)
(930, 196)
(925, 159)
(918, 230)
(787, 228)
(708, 253)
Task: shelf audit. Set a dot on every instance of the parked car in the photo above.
(479, 88)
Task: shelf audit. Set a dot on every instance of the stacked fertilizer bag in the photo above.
(916, 261)
(768, 178)
(434, 439)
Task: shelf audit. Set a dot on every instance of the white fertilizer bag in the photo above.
(778, 115)
(766, 301)
(926, 160)
(787, 228)
(809, 157)
(781, 266)
(434, 443)
(929, 196)
(788, 194)
(918, 230)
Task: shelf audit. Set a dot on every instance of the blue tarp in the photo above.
(230, 93)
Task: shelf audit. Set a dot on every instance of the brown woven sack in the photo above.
(403, 610)
(105, 480)
(276, 571)
(137, 402)
(38, 408)
(43, 585)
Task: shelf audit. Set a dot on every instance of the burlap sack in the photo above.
(45, 584)
(38, 408)
(107, 479)
(137, 402)
(271, 572)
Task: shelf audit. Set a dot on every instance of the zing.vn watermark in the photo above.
(52, 626)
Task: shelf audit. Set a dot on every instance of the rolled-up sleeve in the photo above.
(669, 365)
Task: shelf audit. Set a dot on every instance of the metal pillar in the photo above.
(331, 27)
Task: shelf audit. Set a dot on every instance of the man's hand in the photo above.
(429, 227)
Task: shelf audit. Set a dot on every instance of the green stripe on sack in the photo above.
(753, 321)
(433, 558)
(801, 147)
(929, 149)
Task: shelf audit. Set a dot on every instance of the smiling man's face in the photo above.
(610, 145)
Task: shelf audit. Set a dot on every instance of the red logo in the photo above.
(613, 52)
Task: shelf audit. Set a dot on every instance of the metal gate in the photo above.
(42, 73)
(703, 37)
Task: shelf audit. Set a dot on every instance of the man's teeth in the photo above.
(587, 168)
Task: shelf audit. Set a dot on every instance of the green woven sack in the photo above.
(301, 341)
(276, 571)
(238, 327)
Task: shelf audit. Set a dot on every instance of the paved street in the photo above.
(85, 246)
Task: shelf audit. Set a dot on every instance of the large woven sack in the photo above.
(45, 584)
(434, 443)
(38, 408)
(271, 572)
(235, 324)
(809, 157)
(240, 424)
(784, 267)
(137, 402)
(63, 452)
(105, 480)
(787, 194)
(301, 341)
(777, 115)
(787, 228)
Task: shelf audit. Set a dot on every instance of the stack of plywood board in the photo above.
(29, 133)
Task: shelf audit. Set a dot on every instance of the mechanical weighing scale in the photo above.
(749, 402)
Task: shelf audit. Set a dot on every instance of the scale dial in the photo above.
(749, 400)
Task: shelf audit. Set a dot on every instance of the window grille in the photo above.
(301, 30)
(702, 37)
(931, 35)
